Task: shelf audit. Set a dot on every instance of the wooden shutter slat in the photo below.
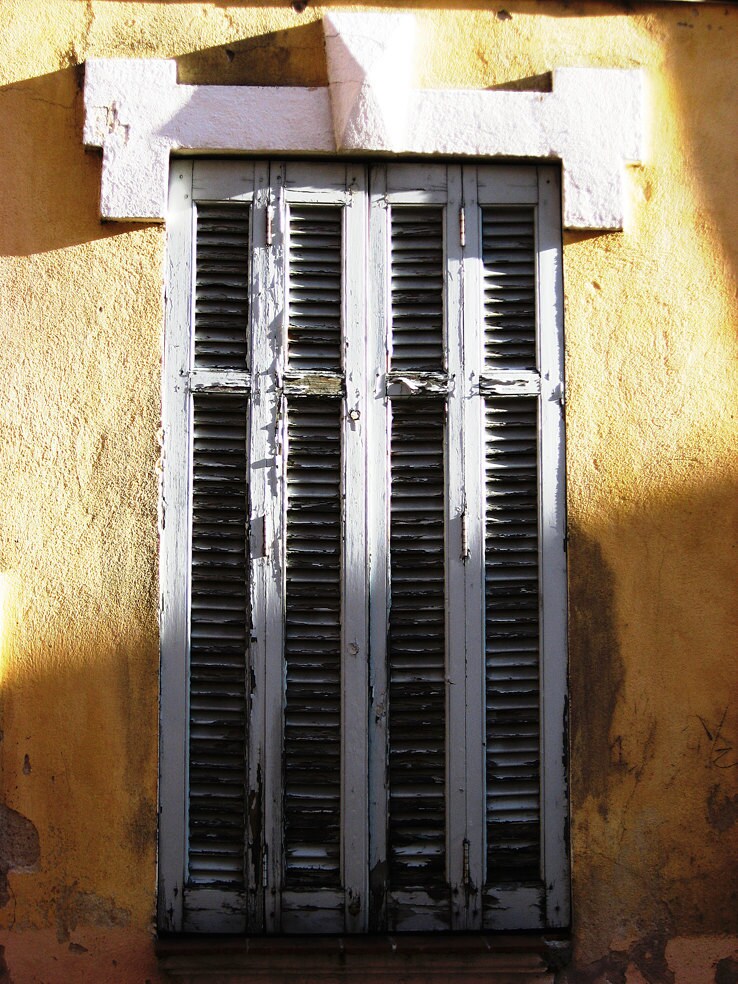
(222, 286)
(416, 649)
(512, 640)
(218, 639)
(312, 646)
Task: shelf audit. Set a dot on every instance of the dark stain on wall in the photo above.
(596, 665)
(722, 810)
(648, 956)
(75, 908)
(5, 977)
(19, 847)
(726, 971)
(142, 826)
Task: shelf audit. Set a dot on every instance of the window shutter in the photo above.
(363, 570)
(316, 843)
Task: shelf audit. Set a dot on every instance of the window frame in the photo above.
(217, 911)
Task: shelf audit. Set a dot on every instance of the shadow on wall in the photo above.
(50, 192)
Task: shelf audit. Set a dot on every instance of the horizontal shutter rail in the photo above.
(219, 381)
(312, 383)
(221, 301)
(423, 384)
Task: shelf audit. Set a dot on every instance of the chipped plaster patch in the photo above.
(138, 114)
(19, 847)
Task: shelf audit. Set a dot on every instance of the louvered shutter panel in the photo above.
(512, 640)
(312, 647)
(315, 268)
(508, 255)
(417, 275)
(221, 286)
(512, 578)
(417, 649)
(218, 641)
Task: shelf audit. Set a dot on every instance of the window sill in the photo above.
(504, 959)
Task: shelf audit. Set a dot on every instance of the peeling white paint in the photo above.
(135, 110)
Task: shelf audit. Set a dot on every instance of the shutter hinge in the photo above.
(467, 879)
(265, 867)
(464, 537)
(269, 225)
(462, 226)
(562, 396)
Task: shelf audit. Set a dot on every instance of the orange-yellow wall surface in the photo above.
(652, 417)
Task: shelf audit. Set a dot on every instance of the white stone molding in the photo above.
(135, 110)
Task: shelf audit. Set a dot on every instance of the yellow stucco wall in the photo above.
(652, 340)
